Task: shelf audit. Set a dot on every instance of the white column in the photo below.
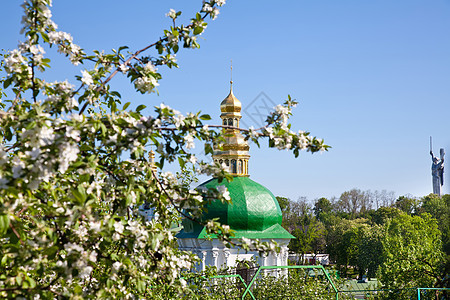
(285, 252)
(284, 259)
(264, 259)
(226, 255)
(215, 255)
(204, 253)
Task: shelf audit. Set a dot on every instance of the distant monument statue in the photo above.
(437, 170)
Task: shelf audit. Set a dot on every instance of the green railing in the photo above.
(230, 276)
(320, 267)
(237, 276)
(434, 289)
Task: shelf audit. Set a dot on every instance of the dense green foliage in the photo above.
(404, 243)
(412, 254)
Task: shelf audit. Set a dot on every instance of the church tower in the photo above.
(253, 214)
(233, 152)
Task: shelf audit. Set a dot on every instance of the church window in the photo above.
(233, 166)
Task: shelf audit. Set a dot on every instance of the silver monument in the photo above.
(437, 170)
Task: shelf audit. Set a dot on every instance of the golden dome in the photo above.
(230, 103)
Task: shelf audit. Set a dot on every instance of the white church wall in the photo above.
(214, 253)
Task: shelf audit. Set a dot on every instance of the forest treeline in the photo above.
(403, 241)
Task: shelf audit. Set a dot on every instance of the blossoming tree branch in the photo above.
(74, 166)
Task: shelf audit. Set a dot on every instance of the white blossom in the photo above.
(207, 7)
(34, 153)
(118, 226)
(116, 266)
(193, 159)
(36, 49)
(145, 84)
(73, 133)
(71, 103)
(123, 68)
(179, 120)
(269, 130)
(46, 135)
(68, 153)
(76, 117)
(149, 68)
(224, 192)
(18, 166)
(252, 132)
(71, 247)
(171, 14)
(85, 272)
(189, 141)
(87, 78)
(14, 61)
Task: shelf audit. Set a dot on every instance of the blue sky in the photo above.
(372, 78)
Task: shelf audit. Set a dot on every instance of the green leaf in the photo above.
(205, 117)
(7, 82)
(51, 252)
(78, 290)
(45, 37)
(109, 283)
(80, 194)
(19, 280)
(126, 105)
(4, 224)
(141, 286)
(4, 260)
(103, 128)
(117, 94)
(181, 162)
(198, 30)
(31, 282)
(208, 149)
(140, 107)
(8, 134)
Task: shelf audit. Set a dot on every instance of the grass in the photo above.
(354, 285)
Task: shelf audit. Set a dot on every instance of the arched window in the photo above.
(225, 122)
(239, 169)
(221, 161)
(227, 162)
(235, 122)
(230, 122)
(233, 166)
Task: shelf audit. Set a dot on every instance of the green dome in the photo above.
(253, 213)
